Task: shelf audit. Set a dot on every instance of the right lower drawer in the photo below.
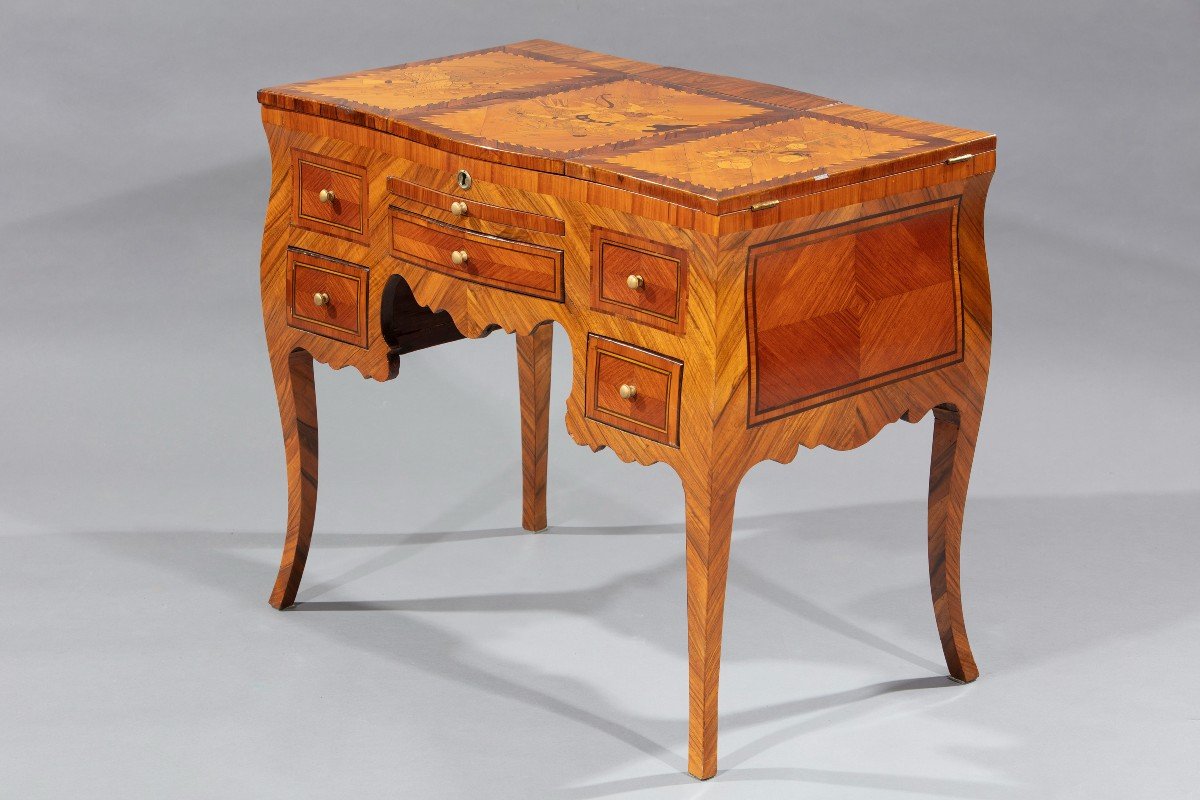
(633, 389)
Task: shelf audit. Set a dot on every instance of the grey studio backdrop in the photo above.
(440, 651)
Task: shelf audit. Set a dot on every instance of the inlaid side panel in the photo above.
(881, 302)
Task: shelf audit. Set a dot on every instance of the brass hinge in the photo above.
(764, 205)
(960, 159)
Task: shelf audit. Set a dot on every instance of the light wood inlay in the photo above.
(809, 272)
(582, 119)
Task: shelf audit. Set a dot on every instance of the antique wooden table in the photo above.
(741, 270)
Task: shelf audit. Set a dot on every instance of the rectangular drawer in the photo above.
(639, 279)
(330, 196)
(327, 296)
(652, 409)
(502, 263)
(469, 208)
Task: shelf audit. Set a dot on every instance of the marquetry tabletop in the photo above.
(706, 141)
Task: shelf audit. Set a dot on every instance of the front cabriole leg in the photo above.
(293, 372)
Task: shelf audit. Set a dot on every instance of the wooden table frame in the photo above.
(731, 407)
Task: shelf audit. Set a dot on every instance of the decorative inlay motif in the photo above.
(806, 144)
(880, 302)
(592, 116)
(416, 85)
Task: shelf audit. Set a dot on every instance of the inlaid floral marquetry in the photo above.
(435, 82)
(703, 141)
(806, 144)
(592, 116)
(741, 270)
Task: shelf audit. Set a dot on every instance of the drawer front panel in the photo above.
(657, 272)
(327, 297)
(653, 409)
(514, 266)
(475, 209)
(841, 310)
(330, 196)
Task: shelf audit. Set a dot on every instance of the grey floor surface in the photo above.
(438, 651)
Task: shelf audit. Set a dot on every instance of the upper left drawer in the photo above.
(330, 196)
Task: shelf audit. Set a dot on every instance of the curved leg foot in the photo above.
(950, 470)
(709, 529)
(533, 375)
(298, 412)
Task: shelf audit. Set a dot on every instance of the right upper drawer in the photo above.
(639, 279)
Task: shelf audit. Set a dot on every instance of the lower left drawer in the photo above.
(327, 296)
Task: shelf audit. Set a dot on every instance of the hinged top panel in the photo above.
(708, 142)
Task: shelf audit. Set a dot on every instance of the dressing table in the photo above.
(742, 270)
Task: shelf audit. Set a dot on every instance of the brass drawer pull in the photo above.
(320, 299)
(627, 391)
(635, 282)
(459, 257)
(326, 196)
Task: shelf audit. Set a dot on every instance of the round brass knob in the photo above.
(628, 391)
(459, 257)
(326, 196)
(635, 282)
(458, 208)
(320, 299)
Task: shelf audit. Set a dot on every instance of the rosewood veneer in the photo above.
(742, 270)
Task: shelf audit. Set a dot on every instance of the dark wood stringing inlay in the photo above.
(476, 209)
(492, 261)
(881, 302)
(654, 412)
(662, 300)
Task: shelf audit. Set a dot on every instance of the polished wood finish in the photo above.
(881, 302)
(831, 280)
(652, 408)
(298, 410)
(660, 292)
(533, 376)
(441, 201)
(544, 106)
(505, 264)
(343, 286)
(330, 196)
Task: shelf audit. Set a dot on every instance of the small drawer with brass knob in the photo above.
(330, 195)
(633, 389)
(639, 279)
(465, 204)
(327, 296)
(506, 264)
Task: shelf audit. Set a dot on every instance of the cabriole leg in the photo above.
(954, 435)
(298, 412)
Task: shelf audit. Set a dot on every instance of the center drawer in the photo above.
(489, 260)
